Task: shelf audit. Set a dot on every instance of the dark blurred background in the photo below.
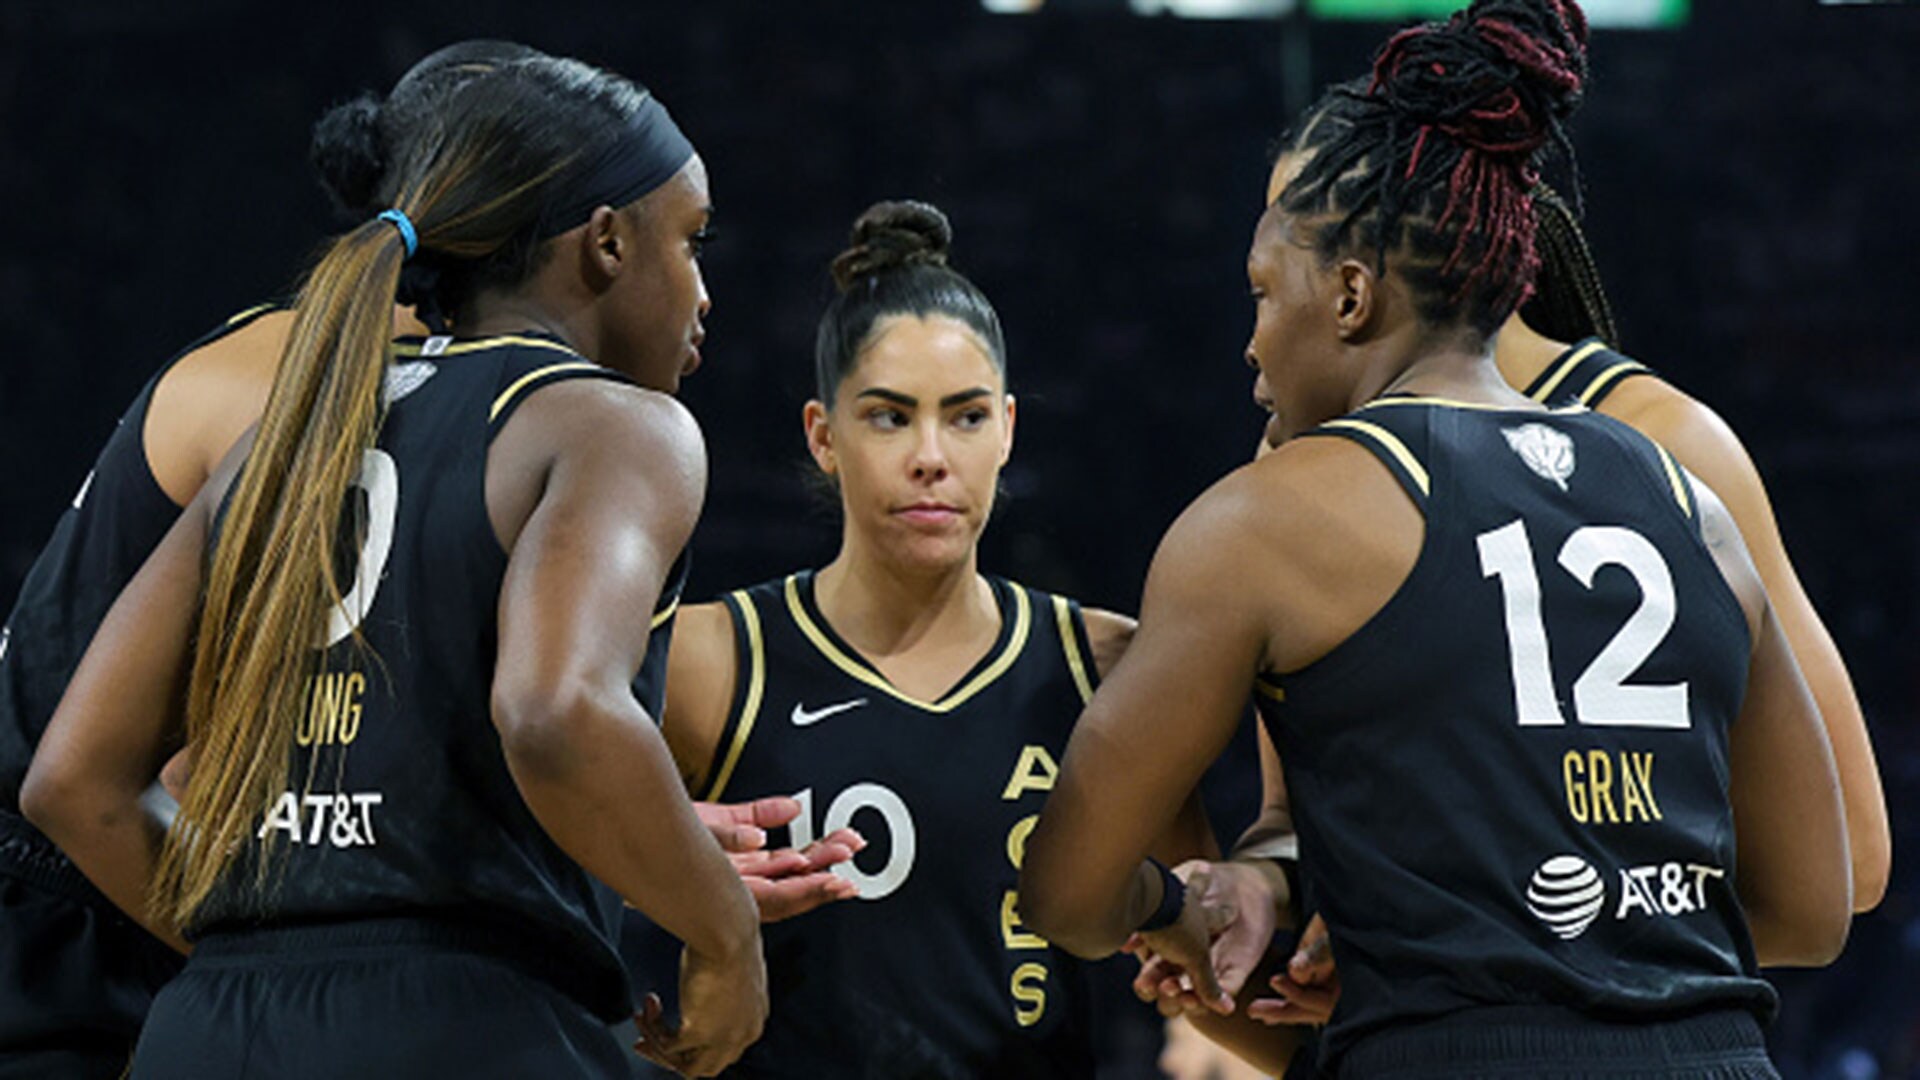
(1748, 181)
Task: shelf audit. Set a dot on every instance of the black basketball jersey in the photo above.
(1584, 375)
(930, 972)
(115, 521)
(1510, 785)
(399, 799)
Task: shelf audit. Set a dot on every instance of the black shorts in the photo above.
(1556, 1044)
(368, 997)
(76, 975)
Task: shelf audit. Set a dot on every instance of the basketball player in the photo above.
(1559, 352)
(900, 689)
(404, 853)
(1516, 779)
(1556, 350)
(76, 1014)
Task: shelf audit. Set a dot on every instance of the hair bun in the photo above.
(893, 236)
(1497, 76)
(350, 154)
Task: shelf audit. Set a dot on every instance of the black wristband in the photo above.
(1173, 897)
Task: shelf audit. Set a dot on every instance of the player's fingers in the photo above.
(1273, 1011)
(768, 813)
(836, 847)
(787, 897)
(1206, 985)
(735, 838)
(1313, 1002)
(769, 864)
(1153, 971)
(1312, 960)
(1234, 960)
(772, 811)
(848, 838)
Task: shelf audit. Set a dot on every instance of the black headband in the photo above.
(650, 152)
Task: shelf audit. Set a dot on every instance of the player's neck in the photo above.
(1523, 352)
(886, 610)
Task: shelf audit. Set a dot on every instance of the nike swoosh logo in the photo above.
(802, 718)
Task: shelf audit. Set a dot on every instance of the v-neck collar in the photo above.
(1016, 620)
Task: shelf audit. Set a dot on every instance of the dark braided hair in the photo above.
(1568, 303)
(1433, 157)
(896, 264)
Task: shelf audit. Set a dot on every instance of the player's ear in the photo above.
(813, 417)
(1006, 445)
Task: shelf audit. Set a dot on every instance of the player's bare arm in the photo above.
(1191, 835)
(1703, 443)
(1794, 874)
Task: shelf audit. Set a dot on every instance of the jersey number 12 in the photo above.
(1601, 695)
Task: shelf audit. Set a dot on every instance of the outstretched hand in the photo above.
(1309, 988)
(784, 882)
(1245, 901)
(1177, 969)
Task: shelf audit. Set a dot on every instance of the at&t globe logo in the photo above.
(1566, 893)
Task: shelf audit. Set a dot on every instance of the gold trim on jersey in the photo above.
(519, 384)
(1022, 624)
(1393, 445)
(1063, 615)
(1268, 689)
(661, 617)
(1610, 375)
(1673, 477)
(1450, 403)
(243, 316)
(756, 684)
(457, 348)
(1566, 368)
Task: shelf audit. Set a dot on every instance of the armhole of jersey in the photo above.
(664, 615)
(1268, 687)
(1678, 484)
(669, 603)
(749, 684)
(1077, 646)
(1392, 452)
(1544, 384)
(524, 387)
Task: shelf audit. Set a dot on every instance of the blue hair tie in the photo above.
(407, 235)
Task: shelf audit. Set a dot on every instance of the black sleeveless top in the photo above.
(1584, 375)
(930, 972)
(115, 521)
(399, 800)
(1510, 785)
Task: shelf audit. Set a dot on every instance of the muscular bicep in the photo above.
(621, 476)
(1161, 716)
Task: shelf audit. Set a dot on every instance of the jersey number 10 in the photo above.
(1601, 695)
(863, 796)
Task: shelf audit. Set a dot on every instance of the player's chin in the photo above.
(933, 549)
